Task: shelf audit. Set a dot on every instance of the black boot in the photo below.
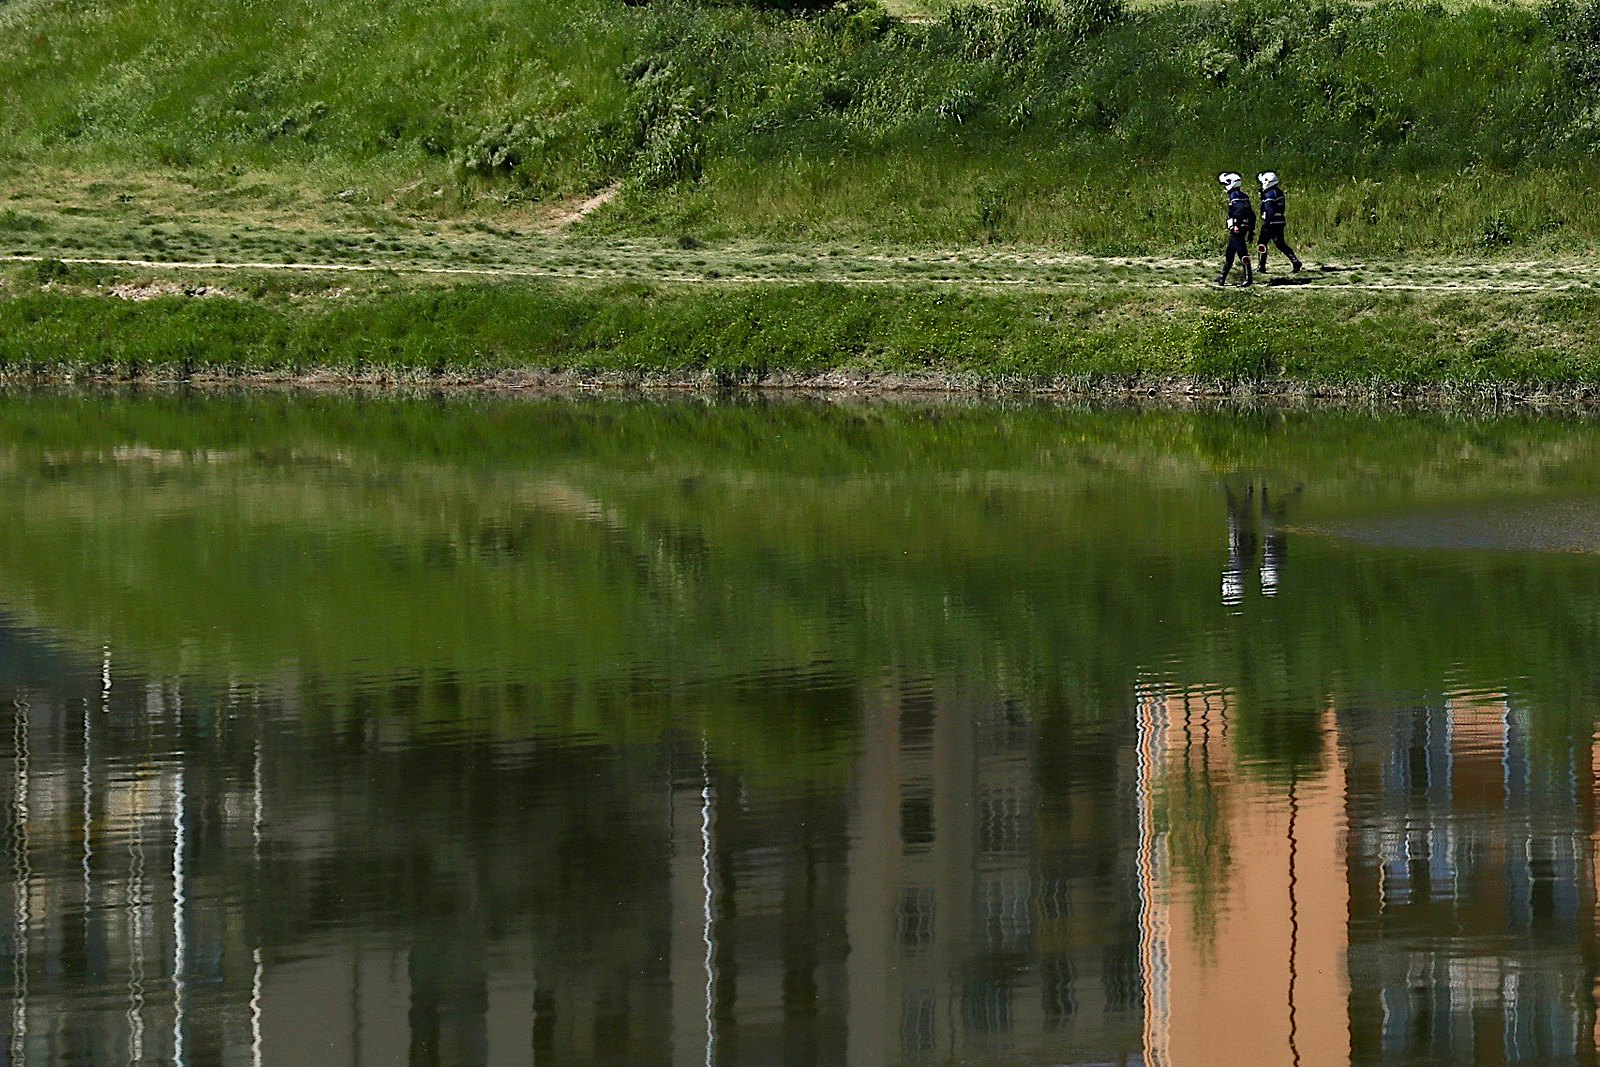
(1261, 263)
(1296, 264)
(1247, 278)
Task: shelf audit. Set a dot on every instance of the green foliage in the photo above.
(497, 90)
(48, 271)
(12, 221)
(1230, 345)
(1005, 122)
(1399, 126)
(1497, 232)
(1576, 27)
(1351, 342)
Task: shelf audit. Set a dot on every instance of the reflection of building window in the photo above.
(1004, 906)
(1396, 1029)
(1004, 732)
(1120, 979)
(916, 1024)
(986, 1006)
(1055, 899)
(916, 719)
(1055, 984)
(916, 818)
(1000, 820)
(914, 917)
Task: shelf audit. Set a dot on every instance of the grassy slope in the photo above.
(397, 98)
(1401, 128)
(376, 133)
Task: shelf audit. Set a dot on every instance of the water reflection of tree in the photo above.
(1190, 810)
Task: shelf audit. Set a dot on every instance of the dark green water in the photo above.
(605, 730)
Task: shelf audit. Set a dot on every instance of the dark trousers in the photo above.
(1238, 246)
(1272, 234)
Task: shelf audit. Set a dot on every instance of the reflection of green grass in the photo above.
(614, 569)
(1188, 808)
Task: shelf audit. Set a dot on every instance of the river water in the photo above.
(619, 730)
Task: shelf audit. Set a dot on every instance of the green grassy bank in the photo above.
(1345, 343)
(765, 155)
(1400, 128)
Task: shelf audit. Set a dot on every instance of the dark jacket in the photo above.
(1273, 206)
(1241, 216)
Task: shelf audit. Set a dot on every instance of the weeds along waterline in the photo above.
(1399, 127)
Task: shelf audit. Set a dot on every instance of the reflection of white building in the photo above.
(942, 905)
(1472, 885)
(102, 891)
(950, 900)
(973, 913)
(984, 894)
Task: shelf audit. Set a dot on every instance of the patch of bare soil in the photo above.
(142, 291)
(566, 216)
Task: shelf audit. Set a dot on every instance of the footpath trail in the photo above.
(201, 247)
(954, 270)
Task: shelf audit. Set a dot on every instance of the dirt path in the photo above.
(565, 217)
(552, 258)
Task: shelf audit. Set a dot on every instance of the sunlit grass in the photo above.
(1401, 129)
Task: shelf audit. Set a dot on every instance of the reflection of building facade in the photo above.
(990, 889)
(195, 875)
(253, 886)
(1242, 892)
(965, 905)
(1429, 896)
(1472, 918)
(146, 915)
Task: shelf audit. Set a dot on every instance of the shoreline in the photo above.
(1174, 393)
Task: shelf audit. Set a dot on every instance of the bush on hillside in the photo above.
(1575, 25)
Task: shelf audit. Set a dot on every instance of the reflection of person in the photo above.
(1241, 226)
(1275, 549)
(1241, 544)
(1243, 537)
(1274, 217)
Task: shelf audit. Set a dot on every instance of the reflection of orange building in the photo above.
(1243, 896)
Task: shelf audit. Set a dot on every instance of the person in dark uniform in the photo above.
(1241, 226)
(1273, 204)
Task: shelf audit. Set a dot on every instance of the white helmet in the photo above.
(1267, 179)
(1229, 180)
